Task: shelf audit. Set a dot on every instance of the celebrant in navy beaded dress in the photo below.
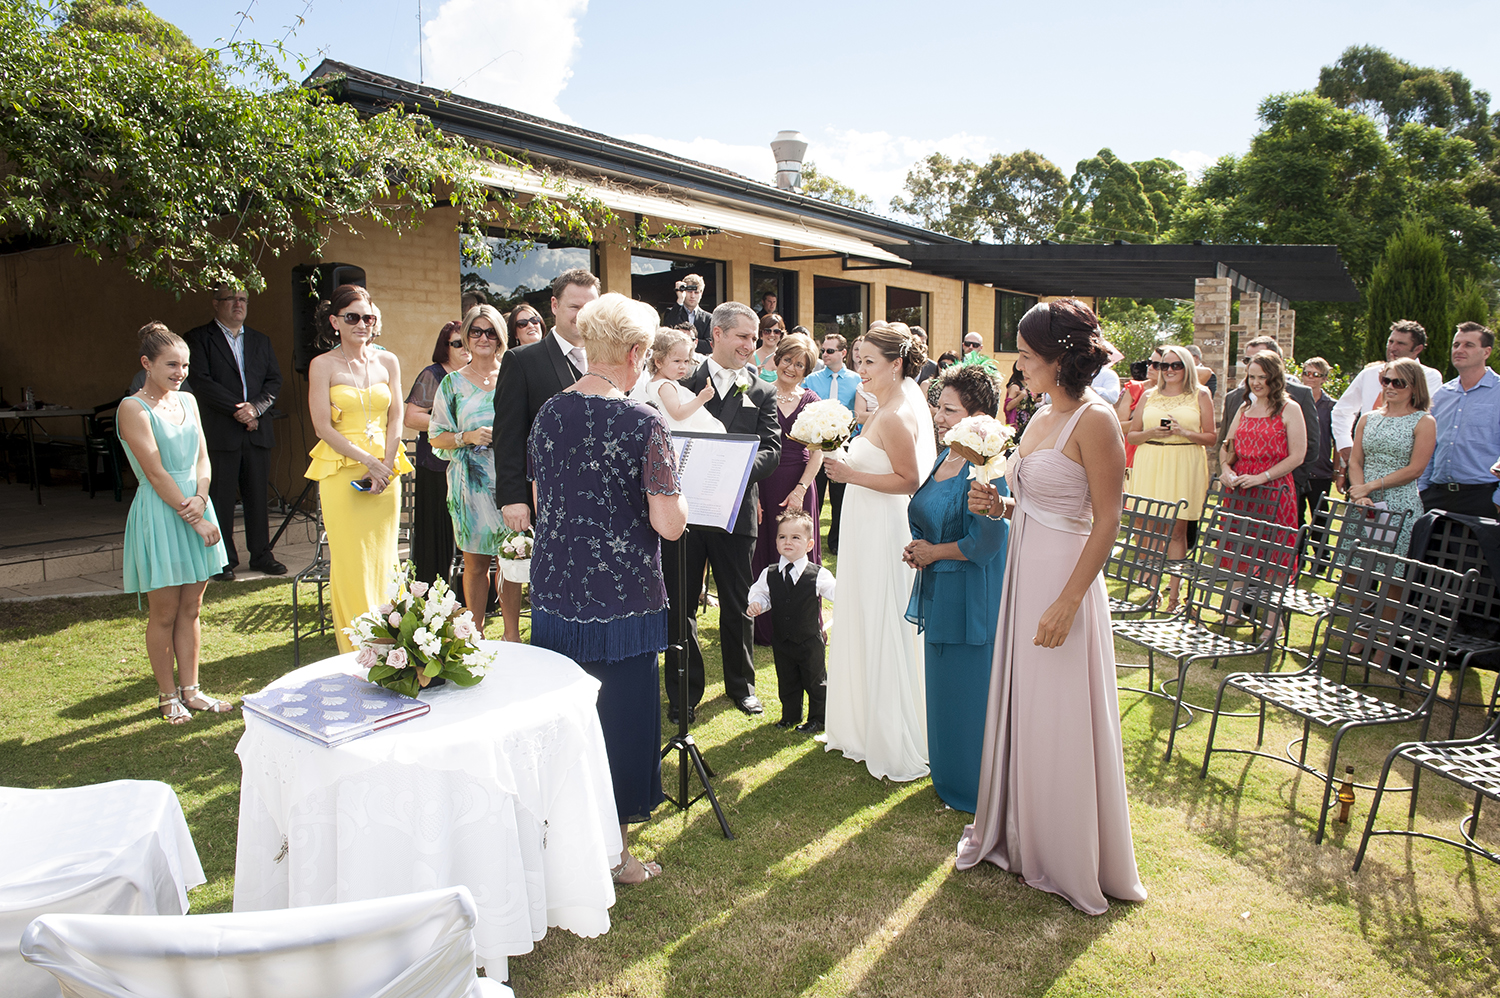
(606, 491)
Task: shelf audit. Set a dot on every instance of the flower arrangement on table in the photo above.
(986, 443)
(515, 557)
(421, 634)
(825, 425)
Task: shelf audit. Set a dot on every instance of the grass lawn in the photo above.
(837, 883)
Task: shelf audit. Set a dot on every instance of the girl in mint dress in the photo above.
(172, 542)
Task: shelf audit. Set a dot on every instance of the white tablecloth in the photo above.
(503, 788)
(120, 848)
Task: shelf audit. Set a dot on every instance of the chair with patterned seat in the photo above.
(1140, 552)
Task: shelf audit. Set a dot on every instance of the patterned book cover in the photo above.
(334, 709)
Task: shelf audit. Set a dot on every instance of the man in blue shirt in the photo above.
(833, 377)
(1460, 478)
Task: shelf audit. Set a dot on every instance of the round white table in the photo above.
(503, 787)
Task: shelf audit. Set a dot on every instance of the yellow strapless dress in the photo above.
(361, 526)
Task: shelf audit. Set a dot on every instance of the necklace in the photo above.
(372, 429)
(787, 397)
(603, 377)
(484, 382)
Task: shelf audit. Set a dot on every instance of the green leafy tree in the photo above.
(1411, 282)
(120, 139)
(940, 196)
(1107, 200)
(825, 188)
(1019, 197)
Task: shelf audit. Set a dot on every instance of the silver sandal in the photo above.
(187, 694)
(172, 709)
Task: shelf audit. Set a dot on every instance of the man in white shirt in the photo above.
(1406, 339)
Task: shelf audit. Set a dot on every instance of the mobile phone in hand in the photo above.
(1166, 423)
(363, 484)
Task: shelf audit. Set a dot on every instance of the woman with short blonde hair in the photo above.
(612, 325)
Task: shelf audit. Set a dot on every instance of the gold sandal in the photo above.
(172, 709)
(187, 695)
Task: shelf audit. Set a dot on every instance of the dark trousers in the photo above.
(835, 493)
(432, 536)
(242, 473)
(1470, 502)
(729, 557)
(800, 669)
(1309, 496)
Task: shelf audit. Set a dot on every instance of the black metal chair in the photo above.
(1233, 551)
(102, 449)
(315, 574)
(1472, 763)
(1400, 613)
(1261, 502)
(1140, 551)
(1476, 640)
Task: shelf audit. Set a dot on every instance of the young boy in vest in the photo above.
(793, 591)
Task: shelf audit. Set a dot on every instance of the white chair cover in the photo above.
(410, 946)
(119, 848)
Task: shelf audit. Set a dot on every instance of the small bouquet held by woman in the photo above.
(515, 557)
(420, 635)
(824, 426)
(984, 442)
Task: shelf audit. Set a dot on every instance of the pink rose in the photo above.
(397, 658)
(366, 658)
(384, 609)
(394, 619)
(418, 590)
(463, 629)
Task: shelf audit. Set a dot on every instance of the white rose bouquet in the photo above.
(984, 442)
(825, 425)
(515, 557)
(420, 634)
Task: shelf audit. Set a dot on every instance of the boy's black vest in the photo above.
(794, 608)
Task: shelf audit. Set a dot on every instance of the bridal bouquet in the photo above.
(515, 557)
(984, 442)
(825, 425)
(421, 633)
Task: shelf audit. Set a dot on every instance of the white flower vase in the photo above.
(515, 570)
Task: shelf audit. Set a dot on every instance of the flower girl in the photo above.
(671, 361)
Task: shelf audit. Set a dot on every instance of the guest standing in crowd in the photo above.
(523, 326)
(877, 711)
(1020, 402)
(356, 409)
(687, 310)
(834, 380)
(744, 404)
(432, 532)
(1467, 410)
(1320, 473)
(1206, 376)
(1130, 397)
(606, 494)
(529, 376)
(1052, 802)
(929, 367)
(1298, 393)
(236, 379)
(172, 540)
(794, 482)
(1393, 445)
(960, 561)
(1364, 393)
(1172, 427)
(767, 304)
(946, 360)
(771, 331)
(462, 431)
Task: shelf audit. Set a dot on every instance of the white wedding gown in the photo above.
(877, 704)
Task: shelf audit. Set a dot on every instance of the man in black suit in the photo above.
(691, 287)
(529, 376)
(234, 374)
(1297, 392)
(744, 404)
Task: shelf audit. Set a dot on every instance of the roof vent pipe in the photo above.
(789, 148)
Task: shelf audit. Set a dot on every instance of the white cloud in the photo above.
(873, 163)
(1193, 161)
(518, 53)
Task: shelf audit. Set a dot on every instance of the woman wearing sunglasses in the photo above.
(523, 326)
(463, 416)
(1393, 444)
(356, 410)
(1172, 426)
(432, 532)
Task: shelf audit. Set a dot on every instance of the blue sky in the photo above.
(874, 85)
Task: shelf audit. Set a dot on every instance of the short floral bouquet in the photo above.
(422, 633)
(515, 557)
(984, 442)
(825, 425)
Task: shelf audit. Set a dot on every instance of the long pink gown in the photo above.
(1052, 805)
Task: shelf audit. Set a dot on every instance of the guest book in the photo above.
(334, 709)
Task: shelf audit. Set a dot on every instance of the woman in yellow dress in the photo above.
(1172, 426)
(355, 400)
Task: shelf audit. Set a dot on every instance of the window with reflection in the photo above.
(906, 306)
(839, 306)
(1009, 307)
(521, 273)
(654, 277)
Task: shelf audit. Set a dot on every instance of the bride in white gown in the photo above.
(877, 711)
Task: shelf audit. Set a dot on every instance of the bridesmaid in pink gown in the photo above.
(1052, 804)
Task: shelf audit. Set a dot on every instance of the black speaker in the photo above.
(311, 284)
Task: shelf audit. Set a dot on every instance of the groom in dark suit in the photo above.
(233, 372)
(744, 404)
(529, 376)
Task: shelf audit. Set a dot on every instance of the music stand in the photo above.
(713, 471)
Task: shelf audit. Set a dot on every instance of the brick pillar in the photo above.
(1247, 327)
(1286, 334)
(1211, 329)
(1270, 325)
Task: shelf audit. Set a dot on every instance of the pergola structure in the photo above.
(1267, 279)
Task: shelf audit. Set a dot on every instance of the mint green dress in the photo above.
(461, 406)
(161, 550)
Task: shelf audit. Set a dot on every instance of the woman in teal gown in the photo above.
(955, 601)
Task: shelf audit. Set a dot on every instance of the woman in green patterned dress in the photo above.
(463, 414)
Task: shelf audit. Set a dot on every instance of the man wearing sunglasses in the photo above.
(1406, 339)
(234, 374)
(691, 288)
(833, 381)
